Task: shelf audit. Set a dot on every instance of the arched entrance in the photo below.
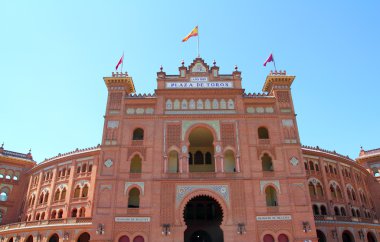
(371, 237)
(347, 236)
(29, 239)
(321, 236)
(124, 238)
(54, 238)
(201, 150)
(84, 237)
(203, 216)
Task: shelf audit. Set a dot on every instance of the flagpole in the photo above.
(122, 62)
(198, 41)
(274, 63)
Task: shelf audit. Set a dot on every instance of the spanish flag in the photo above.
(193, 32)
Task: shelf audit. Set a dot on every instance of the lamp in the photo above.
(361, 234)
(66, 236)
(334, 233)
(306, 226)
(241, 228)
(100, 229)
(166, 229)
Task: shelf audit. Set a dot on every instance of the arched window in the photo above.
(198, 158)
(271, 196)
(320, 190)
(312, 189)
(78, 169)
(136, 164)
(138, 134)
(306, 166)
(84, 167)
(42, 215)
(41, 198)
(3, 196)
(124, 238)
(311, 165)
(134, 198)
(138, 239)
(85, 191)
(343, 211)
(263, 133)
(315, 210)
(74, 213)
(173, 161)
(190, 158)
(353, 212)
(38, 216)
(53, 214)
(84, 237)
(229, 161)
(63, 193)
(336, 211)
(90, 168)
(56, 195)
(333, 192)
(353, 195)
(340, 196)
(323, 210)
(77, 191)
(60, 213)
(358, 213)
(54, 238)
(208, 158)
(82, 212)
(266, 162)
(46, 197)
(349, 194)
(316, 167)
(283, 238)
(268, 238)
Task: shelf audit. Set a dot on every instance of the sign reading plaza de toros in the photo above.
(199, 82)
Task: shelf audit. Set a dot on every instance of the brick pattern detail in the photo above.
(283, 96)
(167, 203)
(132, 227)
(274, 226)
(173, 135)
(228, 134)
(115, 101)
(238, 202)
(141, 150)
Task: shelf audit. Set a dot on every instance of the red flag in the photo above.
(120, 61)
(270, 59)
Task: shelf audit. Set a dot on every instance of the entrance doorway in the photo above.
(203, 216)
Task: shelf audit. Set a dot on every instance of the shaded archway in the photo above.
(124, 238)
(201, 146)
(203, 216)
(54, 238)
(268, 238)
(321, 236)
(84, 237)
(29, 239)
(371, 237)
(347, 236)
(138, 238)
(283, 238)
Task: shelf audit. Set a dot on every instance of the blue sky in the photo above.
(54, 54)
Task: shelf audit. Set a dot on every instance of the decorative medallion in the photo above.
(294, 161)
(108, 163)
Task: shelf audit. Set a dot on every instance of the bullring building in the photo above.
(199, 160)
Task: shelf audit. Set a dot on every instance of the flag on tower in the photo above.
(120, 62)
(193, 33)
(270, 59)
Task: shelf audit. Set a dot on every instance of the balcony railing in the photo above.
(345, 218)
(46, 222)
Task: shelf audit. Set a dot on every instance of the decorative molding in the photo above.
(183, 190)
(275, 183)
(108, 163)
(103, 187)
(129, 184)
(214, 124)
(202, 112)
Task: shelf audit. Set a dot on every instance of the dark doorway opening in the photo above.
(203, 216)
